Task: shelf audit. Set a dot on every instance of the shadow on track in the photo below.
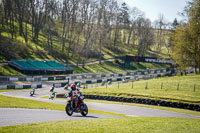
(84, 116)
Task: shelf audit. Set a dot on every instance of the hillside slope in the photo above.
(16, 48)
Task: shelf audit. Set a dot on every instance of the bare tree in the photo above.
(21, 5)
(124, 20)
(39, 8)
(1, 18)
(134, 15)
(145, 35)
(50, 13)
(116, 25)
(160, 27)
(89, 14)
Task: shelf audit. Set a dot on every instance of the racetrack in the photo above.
(10, 116)
(17, 116)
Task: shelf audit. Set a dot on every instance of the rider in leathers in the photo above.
(73, 89)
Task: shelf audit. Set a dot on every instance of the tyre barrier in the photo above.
(60, 96)
(147, 101)
(194, 107)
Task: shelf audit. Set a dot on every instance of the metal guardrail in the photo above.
(83, 76)
(20, 86)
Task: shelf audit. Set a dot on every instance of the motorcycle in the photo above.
(52, 95)
(32, 92)
(76, 104)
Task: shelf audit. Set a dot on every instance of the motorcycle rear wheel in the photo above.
(68, 109)
(84, 112)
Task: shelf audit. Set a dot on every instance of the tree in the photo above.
(116, 24)
(83, 28)
(175, 24)
(181, 55)
(9, 14)
(39, 9)
(21, 5)
(50, 13)
(1, 18)
(134, 15)
(160, 28)
(144, 35)
(102, 23)
(124, 19)
(186, 50)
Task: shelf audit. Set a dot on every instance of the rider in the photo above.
(33, 91)
(52, 91)
(73, 89)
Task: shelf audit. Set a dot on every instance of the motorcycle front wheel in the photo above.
(84, 111)
(68, 109)
(31, 93)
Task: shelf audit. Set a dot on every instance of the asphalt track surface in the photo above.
(13, 116)
(18, 116)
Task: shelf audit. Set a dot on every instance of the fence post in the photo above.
(194, 87)
(118, 85)
(132, 84)
(146, 86)
(177, 86)
(161, 85)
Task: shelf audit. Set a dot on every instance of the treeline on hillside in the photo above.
(86, 26)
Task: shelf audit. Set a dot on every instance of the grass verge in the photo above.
(149, 106)
(185, 111)
(112, 125)
(12, 102)
(177, 89)
(108, 125)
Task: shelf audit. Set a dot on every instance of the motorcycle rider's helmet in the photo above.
(73, 87)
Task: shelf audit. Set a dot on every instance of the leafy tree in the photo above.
(186, 51)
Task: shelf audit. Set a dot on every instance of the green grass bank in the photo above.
(112, 125)
(177, 88)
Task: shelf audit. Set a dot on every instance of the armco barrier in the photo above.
(26, 86)
(126, 79)
(86, 76)
(194, 107)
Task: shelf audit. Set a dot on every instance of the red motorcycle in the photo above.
(76, 104)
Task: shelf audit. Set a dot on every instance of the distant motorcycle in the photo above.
(76, 104)
(52, 95)
(32, 92)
